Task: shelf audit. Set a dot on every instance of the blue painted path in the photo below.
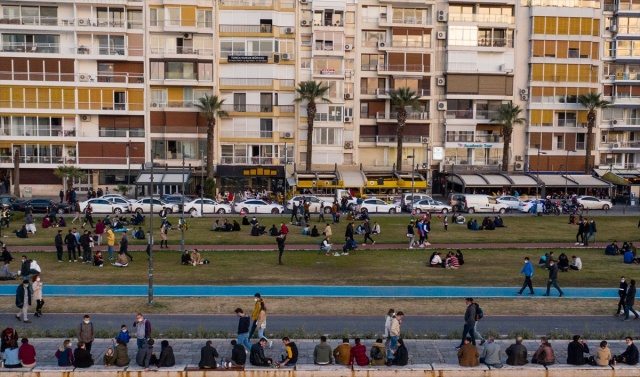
(309, 291)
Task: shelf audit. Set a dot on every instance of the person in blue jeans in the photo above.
(243, 329)
(394, 334)
(630, 300)
(469, 323)
(143, 330)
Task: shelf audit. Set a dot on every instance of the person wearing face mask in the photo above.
(86, 333)
(36, 287)
(143, 330)
(622, 293)
(23, 300)
(255, 314)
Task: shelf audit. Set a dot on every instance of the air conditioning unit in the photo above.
(83, 22)
(524, 92)
(524, 97)
(187, 36)
(85, 118)
(616, 145)
(286, 56)
(287, 135)
(614, 28)
(518, 166)
(441, 35)
(502, 68)
(83, 77)
(305, 1)
(154, 104)
(442, 16)
(304, 22)
(348, 96)
(348, 145)
(348, 47)
(348, 119)
(518, 158)
(425, 139)
(381, 44)
(442, 105)
(615, 121)
(289, 30)
(441, 81)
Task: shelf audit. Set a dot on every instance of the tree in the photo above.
(508, 116)
(210, 108)
(591, 101)
(70, 173)
(401, 99)
(311, 92)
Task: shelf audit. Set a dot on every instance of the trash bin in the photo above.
(633, 199)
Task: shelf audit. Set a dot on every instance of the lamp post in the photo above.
(413, 167)
(201, 182)
(566, 173)
(150, 165)
(182, 200)
(284, 198)
(128, 165)
(537, 180)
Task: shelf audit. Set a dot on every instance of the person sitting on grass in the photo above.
(196, 258)
(436, 260)
(121, 260)
(628, 257)
(97, 259)
(612, 249)
(498, 223)
(452, 261)
(576, 264)
(563, 262)
(186, 258)
(235, 227)
(273, 231)
(306, 231)
(62, 223)
(22, 233)
(5, 272)
(315, 232)
(46, 223)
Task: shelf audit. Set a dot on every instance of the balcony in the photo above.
(390, 21)
(246, 134)
(19, 131)
(621, 145)
(247, 29)
(328, 72)
(244, 108)
(469, 114)
(253, 160)
(626, 76)
(391, 140)
(397, 69)
(495, 42)
(35, 106)
(480, 162)
(411, 117)
(182, 51)
(181, 24)
(259, 4)
(34, 48)
(421, 45)
(482, 18)
(328, 48)
(116, 77)
(384, 93)
(121, 132)
(477, 138)
(186, 104)
(66, 22)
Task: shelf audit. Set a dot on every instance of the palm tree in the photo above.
(592, 102)
(69, 173)
(311, 91)
(401, 99)
(211, 108)
(508, 116)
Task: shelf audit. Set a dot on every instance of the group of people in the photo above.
(586, 230)
(451, 260)
(487, 223)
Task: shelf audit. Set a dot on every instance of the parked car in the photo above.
(483, 203)
(528, 205)
(118, 198)
(456, 201)
(408, 198)
(11, 200)
(378, 206)
(591, 202)
(207, 205)
(178, 199)
(513, 201)
(258, 206)
(100, 205)
(41, 205)
(144, 206)
(429, 205)
(314, 203)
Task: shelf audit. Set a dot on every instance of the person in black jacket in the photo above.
(238, 355)
(208, 356)
(622, 293)
(576, 351)
(70, 240)
(630, 300)
(244, 322)
(144, 355)
(81, 357)
(401, 354)
(25, 267)
(630, 355)
(553, 278)
(167, 358)
(281, 239)
(257, 357)
(59, 243)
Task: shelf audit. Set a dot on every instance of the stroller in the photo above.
(350, 245)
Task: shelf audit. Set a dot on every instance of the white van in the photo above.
(483, 203)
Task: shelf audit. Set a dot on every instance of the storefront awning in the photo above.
(163, 177)
(573, 180)
(492, 180)
(587, 180)
(556, 180)
(353, 179)
(615, 179)
(522, 181)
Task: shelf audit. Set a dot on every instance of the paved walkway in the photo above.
(187, 351)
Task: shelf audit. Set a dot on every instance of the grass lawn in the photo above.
(520, 229)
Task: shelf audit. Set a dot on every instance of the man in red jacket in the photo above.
(359, 353)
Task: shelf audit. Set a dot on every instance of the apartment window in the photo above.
(158, 97)
(42, 43)
(370, 85)
(205, 18)
(31, 15)
(350, 18)
(370, 62)
(335, 113)
(305, 40)
(153, 16)
(110, 16)
(266, 128)
(581, 141)
(157, 70)
(266, 26)
(305, 63)
(371, 38)
(240, 102)
(462, 36)
(172, 16)
(327, 136)
(364, 110)
(111, 44)
(574, 53)
(409, 16)
(560, 142)
(285, 46)
(134, 19)
(180, 70)
(205, 71)
(567, 119)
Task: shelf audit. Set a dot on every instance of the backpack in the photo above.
(479, 312)
(376, 354)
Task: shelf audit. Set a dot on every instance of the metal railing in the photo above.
(55, 21)
(39, 48)
(39, 159)
(185, 104)
(226, 54)
(486, 138)
(257, 3)
(390, 139)
(245, 134)
(182, 51)
(478, 161)
(405, 20)
(328, 71)
(53, 105)
(246, 29)
(622, 144)
(116, 77)
(410, 116)
(495, 42)
(250, 160)
(385, 92)
(337, 47)
(21, 131)
(246, 82)
(475, 17)
(403, 68)
(183, 22)
(121, 132)
(245, 108)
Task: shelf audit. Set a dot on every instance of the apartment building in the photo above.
(108, 84)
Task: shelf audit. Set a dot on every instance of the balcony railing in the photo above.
(58, 105)
(486, 138)
(489, 18)
(226, 54)
(390, 139)
(338, 47)
(39, 48)
(182, 51)
(251, 160)
(385, 92)
(626, 6)
(268, 29)
(328, 71)
(495, 42)
(39, 159)
(116, 77)
(257, 3)
(621, 144)
(41, 131)
(491, 161)
(244, 134)
(51, 21)
(245, 108)
(410, 116)
(408, 21)
(627, 76)
(185, 104)
(121, 132)
(246, 82)
(411, 44)
(403, 68)
(181, 23)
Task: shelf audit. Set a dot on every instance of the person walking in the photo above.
(280, 240)
(388, 320)
(59, 243)
(445, 221)
(394, 333)
(86, 332)
(469, 323)
(411, 235)
(366, 227)
(592, 231)
(553, 278)
(630, 300)
(244, 322)
(36, 288)
(585, 232)
(23, 300)
(622, 294)
(527, 270)
(262, 323)
(321, 214)
(88, 216)
(254, 315)
(294, 213)
(579, 239)
(61, 195)
(163, 235)
(76, 211)
(124, 246)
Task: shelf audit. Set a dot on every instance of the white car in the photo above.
(429, 205)
(378, 206)
(257, 206)
(100, 205)
(528, 206)
(118, 198)
(591, 202)
(144, 206)
(512, 201)
(207, 205)
(314, 203)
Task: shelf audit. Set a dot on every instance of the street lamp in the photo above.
(150, 165)
(566, 167)
(413, 167)
(201, 182)
(284, 199)
(537, 180)
(182, 200)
